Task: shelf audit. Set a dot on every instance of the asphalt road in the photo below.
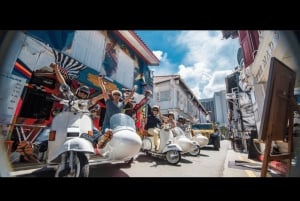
(210, 163)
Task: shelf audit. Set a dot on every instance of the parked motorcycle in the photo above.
(167, 149)
(187, 145)
(71, 154)
(198, 137)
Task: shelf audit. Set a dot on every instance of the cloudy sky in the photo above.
(202, 58)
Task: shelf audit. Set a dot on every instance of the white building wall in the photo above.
(178, 101)
(221, 108)
(125, 71)
(157, 89)
(285, 47)
(88, 47)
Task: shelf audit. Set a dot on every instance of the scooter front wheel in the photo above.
(195, 151)
(79, 163)
(173, 156)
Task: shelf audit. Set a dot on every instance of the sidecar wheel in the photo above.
(195, 151)
(80, 166)
(173, 157)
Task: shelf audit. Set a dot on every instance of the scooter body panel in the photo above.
(124, 145)
(69, 126)
(172, 147)
(201, 139)
(185, 143)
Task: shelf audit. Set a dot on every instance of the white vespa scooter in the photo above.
(198, 137)
(187, 145)
(71, 155)
(167, 148)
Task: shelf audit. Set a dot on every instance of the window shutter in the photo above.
(249, 41)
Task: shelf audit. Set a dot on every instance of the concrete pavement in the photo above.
(235, 165)
(233, 170)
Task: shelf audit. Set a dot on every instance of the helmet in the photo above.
(83, 89)
(155, 107)
(171, 113)
(148, 91)
(116, 92)
(180, 118)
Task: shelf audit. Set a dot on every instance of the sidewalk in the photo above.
(238, 165)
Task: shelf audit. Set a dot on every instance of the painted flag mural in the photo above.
(69, 66)
(21, 69)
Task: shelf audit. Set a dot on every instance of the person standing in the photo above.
(140, 112)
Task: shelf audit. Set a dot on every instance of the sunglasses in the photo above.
(83, 92)
(116, 94)
(155, 110)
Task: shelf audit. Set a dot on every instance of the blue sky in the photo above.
(202, 58)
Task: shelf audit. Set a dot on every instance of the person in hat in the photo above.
(129, 105)
(153, 123)
(181, 123)
(171, 119)
(82, 92)
(113, 103)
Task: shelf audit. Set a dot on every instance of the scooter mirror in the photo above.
(64, 88)
(95, 108)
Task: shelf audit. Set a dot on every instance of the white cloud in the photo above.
(165, 67)
(217, 83)
(207, 62)
(158, 54)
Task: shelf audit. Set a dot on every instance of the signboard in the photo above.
(10, 90)
(230, 96)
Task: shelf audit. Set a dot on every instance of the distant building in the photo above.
(173, 95)
(209, 105)
(217, 107)
(220, 108)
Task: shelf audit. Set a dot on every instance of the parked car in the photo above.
(208, 130)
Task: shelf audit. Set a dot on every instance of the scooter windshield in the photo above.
(121, 120)
(177, 131)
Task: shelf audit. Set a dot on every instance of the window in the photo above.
(164, 95)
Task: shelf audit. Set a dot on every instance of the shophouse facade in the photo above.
(118, 55)
(173, 95)
(258, 48)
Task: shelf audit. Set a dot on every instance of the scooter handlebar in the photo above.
(61, 100)
(53, 98)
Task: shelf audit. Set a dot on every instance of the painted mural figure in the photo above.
(110, 62)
